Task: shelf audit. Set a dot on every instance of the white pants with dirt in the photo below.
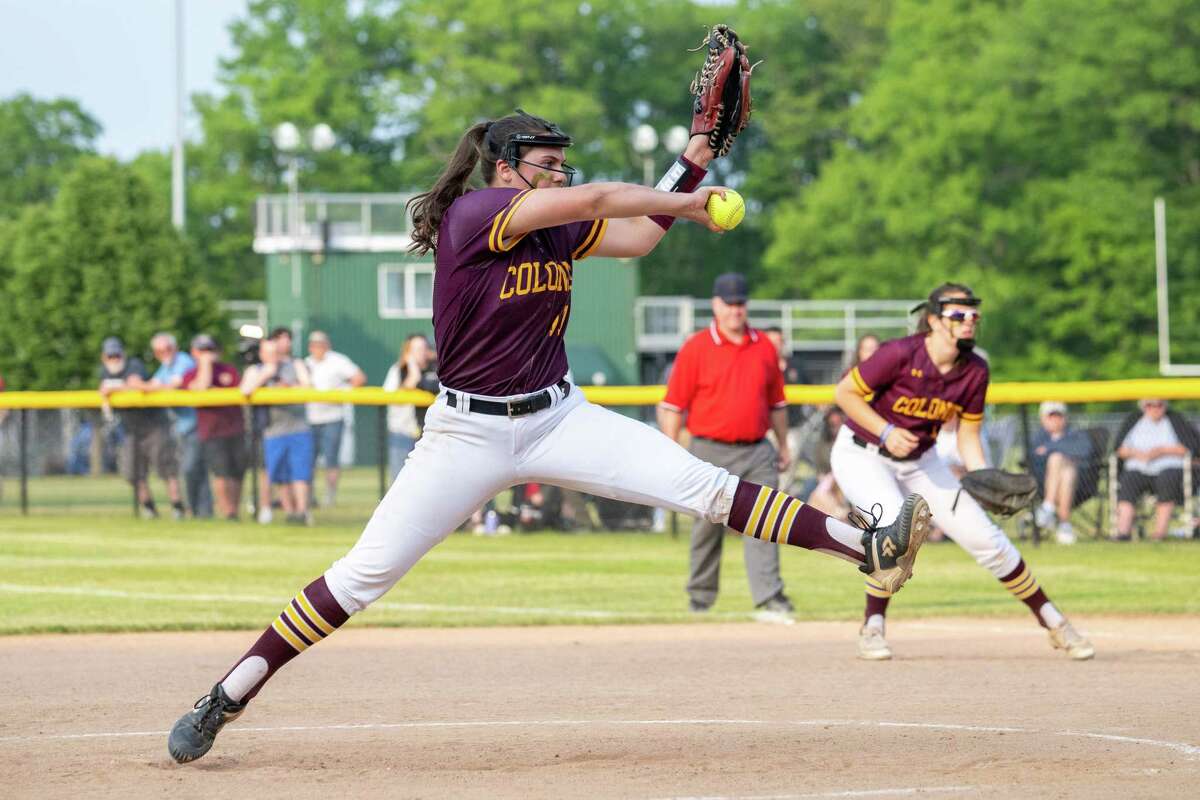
(463, 459)
(866, 478)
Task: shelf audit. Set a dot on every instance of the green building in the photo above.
(339, 263)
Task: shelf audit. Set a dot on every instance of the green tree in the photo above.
(1017, 147)
(101, 260)
(41, 140)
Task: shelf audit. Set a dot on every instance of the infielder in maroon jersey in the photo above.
(896, 402)
(505, 261)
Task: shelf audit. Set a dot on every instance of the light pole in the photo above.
(178, 197)
(288, 141)
(645, 140)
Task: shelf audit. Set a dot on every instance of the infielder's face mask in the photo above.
(937, 306)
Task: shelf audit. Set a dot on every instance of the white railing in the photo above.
(245, 312)
(663, 323)
(316, 222)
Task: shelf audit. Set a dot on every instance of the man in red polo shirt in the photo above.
(727, 381)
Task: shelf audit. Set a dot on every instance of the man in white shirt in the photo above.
(329, 369)
(1153, 447)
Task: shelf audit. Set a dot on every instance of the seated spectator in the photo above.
(1153, 446)
(329, 369)
(287, 439)
(415, 369)
(220, 429)
(148, 441)
(1058, 452)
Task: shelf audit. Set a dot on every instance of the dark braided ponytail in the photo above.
(482, 145)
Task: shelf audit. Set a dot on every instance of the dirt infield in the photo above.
(716, 711)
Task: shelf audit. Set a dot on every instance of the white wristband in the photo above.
(883, 434)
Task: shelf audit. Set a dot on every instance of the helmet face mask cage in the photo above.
(552, 136)
(935, 305)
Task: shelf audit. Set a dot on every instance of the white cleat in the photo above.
(1065, 637)
(871, 644)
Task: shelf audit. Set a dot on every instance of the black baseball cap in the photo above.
(112, 346)
(202, 341)
(731, 287)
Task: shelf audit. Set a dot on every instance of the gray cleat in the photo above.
(195, 732)
(891, 551)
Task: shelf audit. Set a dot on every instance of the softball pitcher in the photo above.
(896, 402)
(504, 262)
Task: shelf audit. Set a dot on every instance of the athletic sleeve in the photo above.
(880, 370)
(681, 386)
(585, 237)
(478, 221)
(973, 407)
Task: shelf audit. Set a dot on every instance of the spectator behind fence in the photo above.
(287, 439)
(825, 494)
(329, 369)
(1153, 446)
(793, 372)
(173, 365)
(148, 441)
(221, 430)
(1058, 452)
(866, 346)
(415, 369)
(727, 380)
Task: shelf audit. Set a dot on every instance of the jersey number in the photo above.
(559, 326)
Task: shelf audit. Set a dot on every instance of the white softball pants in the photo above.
(464, 459)
(867, 478)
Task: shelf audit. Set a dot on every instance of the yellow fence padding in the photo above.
(1074, 392)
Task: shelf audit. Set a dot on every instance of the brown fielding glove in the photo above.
(1000, 492)
(722, 90)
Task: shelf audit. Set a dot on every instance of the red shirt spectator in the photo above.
(727, 389)
(218, 422)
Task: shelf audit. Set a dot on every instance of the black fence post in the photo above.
(23, 447)
(382, 450)
(136, 460)
(1027, 439)
(255, 461)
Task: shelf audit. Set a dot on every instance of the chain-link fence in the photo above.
(71, 459)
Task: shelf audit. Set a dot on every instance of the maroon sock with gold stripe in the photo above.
(877, 600)
(773, 516)
(312, 615)
(1023, 586)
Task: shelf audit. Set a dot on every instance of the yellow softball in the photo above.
(727, 213)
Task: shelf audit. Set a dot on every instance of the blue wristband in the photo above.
(883, 434)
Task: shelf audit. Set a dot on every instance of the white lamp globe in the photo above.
(322, 138)
(677, 138)
(286, 137)
(645, 139)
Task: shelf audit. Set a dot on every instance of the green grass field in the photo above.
(70, 573)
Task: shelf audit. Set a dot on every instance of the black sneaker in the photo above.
(696, 607)
(891, 551)
(195, 732)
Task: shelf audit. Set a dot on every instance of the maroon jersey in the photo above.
(217, 422)
(501, 303)
(905, 388)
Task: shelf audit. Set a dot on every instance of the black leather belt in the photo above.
(864, 444)
(735, 443)
(513, 408)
